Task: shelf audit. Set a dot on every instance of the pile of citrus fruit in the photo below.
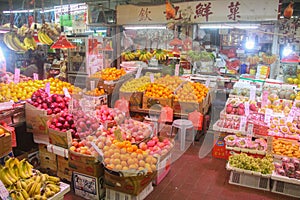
(191, 92)
(111, 74)
(158, 91)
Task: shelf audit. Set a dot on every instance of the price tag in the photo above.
(92, 85)
(47, 88)
(252, 92)
(71, 105)
(35, 76)
(264, 101)
(268, 115)
(118, 135)
(247, 110)
(66, 92)
(292, 114)
(269, 144)
(207, 82)
(99, 151)
(250, 129)
(17, 75)
(139, 72)
(243, 123)
(152, 78)
(177, 70)
(4, 194)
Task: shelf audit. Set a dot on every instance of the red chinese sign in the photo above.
(234, 10)
(203, 10)
(199, 11)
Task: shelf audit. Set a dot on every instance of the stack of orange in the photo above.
(171, 82)
(125, 156)
(95, 92)
(158, 91)
(191, 92)
(111, 74)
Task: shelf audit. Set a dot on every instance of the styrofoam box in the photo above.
(115, 195)
(64, 189)
(251, 181)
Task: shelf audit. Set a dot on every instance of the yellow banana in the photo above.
(19, 185)
(23, 184)
(47, 39)
(40, 37)
(48, 192)
(28, 44)
(53, 179)
(44, 177)
(22, 170)
(39, 197)
(54, 187)
(12, 174)
(19, 196)
(29, 186)
(18, 43)
(31, 192)
(29, 168)
(38, 189)
(8, 41)
(5, 177)
(16, 171)
(9, 163)
(13, 195)
(25, 194)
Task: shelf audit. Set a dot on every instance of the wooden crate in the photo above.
(135, 98)
(148, 102)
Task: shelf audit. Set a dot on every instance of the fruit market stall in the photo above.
(258, 130)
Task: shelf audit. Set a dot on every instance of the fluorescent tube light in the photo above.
(98, 31)
(16, 11)
(228, 26)
(47, 10)
(143, 27)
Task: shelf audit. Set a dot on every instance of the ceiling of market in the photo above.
(28, 4)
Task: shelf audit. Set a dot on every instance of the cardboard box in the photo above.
(148, 102)
(135, 98)
(36, 119)
(93, 169)
(163, 168)
(88, 187)
(44, 153)
(5, 144)
(59, 138)
(82, 158)
(115, 195)
(63, 170)
(48, 162)
(132, 185)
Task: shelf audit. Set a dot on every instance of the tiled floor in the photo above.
(194, 178)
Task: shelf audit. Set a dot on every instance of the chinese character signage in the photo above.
(199, 12)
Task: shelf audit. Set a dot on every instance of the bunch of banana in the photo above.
(13, 43)
(128, 56)
(145, 56)
(44, 38)
(30, 43)
(268, 59)
(160, 55)
(23, 30)
(253, 60)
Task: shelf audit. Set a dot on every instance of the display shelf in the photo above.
(285, 179)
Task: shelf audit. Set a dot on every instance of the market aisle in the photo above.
(192, 178)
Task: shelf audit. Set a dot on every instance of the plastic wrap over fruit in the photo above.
(230, 140)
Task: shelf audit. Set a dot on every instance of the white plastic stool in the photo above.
(183, 125)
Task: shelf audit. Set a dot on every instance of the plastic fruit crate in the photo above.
(285, 185)
(251, 181)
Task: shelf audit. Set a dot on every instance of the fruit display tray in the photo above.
(64, 189)
(249, 172)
